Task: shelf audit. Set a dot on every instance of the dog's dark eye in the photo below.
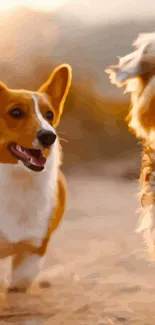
(16, 113)
(49, 115)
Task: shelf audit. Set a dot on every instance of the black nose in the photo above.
(46, 138)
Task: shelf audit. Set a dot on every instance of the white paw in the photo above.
(21, 285)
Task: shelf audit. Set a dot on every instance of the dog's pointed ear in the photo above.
(3, 86)
(139, 64)
(57, 86)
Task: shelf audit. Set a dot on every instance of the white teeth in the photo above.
(31, 160)
(18, 148)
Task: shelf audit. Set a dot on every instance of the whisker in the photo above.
(62, 139)
(61, 133)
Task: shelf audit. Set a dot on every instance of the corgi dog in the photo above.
(32, 187)
(136, 71)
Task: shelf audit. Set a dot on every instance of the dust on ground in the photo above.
(96, 264)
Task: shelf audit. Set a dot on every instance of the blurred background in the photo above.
(95, 253)
(38, 35)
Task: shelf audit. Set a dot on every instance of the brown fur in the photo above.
(58, 214)
(21, 249)
(136, 72)
(50, 96)
(26, 246)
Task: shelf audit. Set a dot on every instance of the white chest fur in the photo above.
(27, 200)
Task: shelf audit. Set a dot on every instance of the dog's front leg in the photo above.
(25, 268)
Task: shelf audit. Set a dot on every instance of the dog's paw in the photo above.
(20, 286)
(16, 290)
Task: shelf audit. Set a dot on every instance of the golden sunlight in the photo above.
(45, 5)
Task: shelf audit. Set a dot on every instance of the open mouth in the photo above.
(31, 158)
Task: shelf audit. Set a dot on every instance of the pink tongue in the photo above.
(38, 161)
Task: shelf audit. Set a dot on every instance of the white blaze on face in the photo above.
(44, 125)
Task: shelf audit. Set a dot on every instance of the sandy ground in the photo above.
(96, 264)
